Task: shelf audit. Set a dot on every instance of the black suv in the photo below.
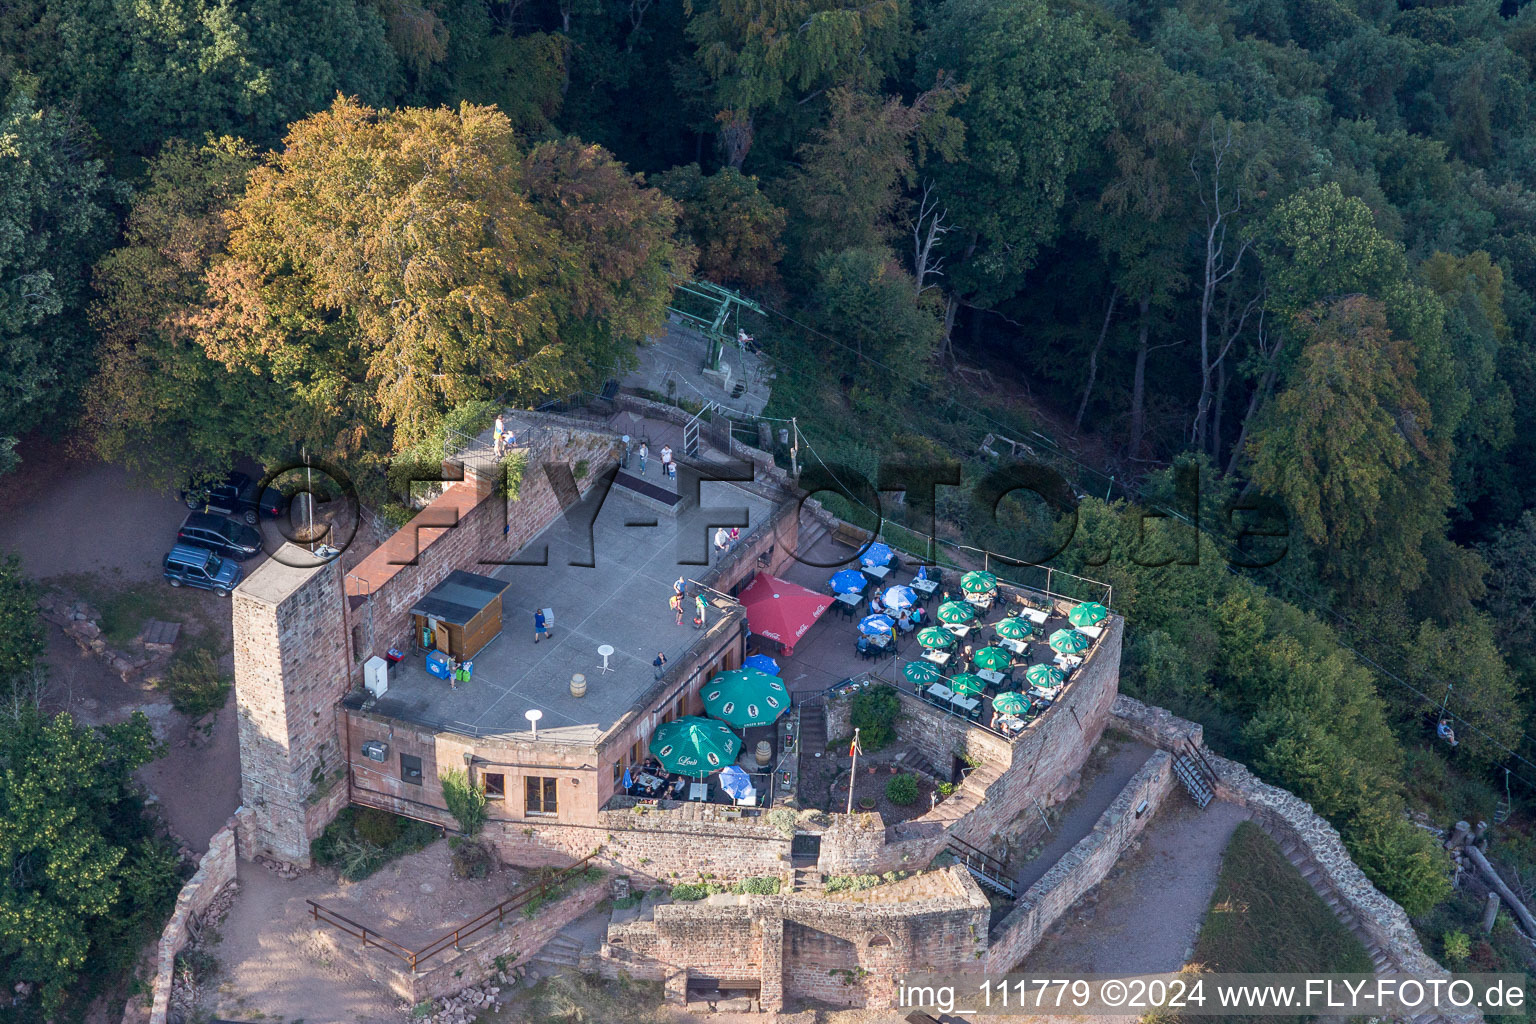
(216, 533)
(237, 497)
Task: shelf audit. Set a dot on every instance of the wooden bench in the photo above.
(847, 533)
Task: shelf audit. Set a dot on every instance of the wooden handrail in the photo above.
(415, 957)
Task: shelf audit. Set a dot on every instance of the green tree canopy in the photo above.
(158, 403)
(85, 873)
(733, 225)
(56, 217)
(1039, 85)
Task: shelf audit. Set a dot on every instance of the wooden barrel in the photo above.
(578, 685)
(764, 753)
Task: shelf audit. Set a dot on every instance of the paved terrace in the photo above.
(827, 655)
(621, 601)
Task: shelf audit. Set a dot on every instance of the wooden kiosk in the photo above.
(460, 615)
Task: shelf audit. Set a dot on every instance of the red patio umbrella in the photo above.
(780, 610)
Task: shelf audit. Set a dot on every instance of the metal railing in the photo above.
(414, 958)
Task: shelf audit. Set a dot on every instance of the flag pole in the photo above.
(853, 770)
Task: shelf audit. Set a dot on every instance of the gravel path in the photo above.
(1169, 880)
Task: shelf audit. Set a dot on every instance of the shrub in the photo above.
(194, 683)
(901, 790)
(874, 714)
(685, 891)
(946, 788)
(466, 801)
(473, 860)
(851, 883)
(375, 826)
(783, 819)
(1458, 947)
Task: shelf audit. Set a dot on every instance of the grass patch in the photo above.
(1264, 917)
(363, 839)
(125, 607)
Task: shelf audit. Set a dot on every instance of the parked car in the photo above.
(237, 496)
(198, 567)
(224, 536)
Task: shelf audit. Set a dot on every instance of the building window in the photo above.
(410, 768)
(634, 752)
(495, 786)
(618, 771)
(541, 796)
(682, 703)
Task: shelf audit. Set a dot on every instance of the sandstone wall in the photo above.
(843, 950)
(514, 943)
(1290, 821)
(291, 667)
(1042, 765)
(1082, 867)
(652, 843)
(214, 872)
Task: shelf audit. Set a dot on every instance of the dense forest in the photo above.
(1285, 249)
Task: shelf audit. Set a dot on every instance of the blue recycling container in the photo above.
(437, 664)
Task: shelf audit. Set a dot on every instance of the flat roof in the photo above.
(460, 597)
(277, 577)
(621, 600)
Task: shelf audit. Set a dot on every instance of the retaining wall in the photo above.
(1082, 867)
(514, 943)
(214, 872)
(1290, 820)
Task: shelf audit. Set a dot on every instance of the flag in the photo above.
(854, 748)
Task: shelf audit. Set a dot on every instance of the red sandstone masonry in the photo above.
(214, 872)
(457, 969)
(1080, 868)
(790, 943)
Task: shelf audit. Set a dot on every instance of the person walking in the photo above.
(540, 626)
(645, 451)
(666, 461)
(677, 606)
(699, 608)
(499, 437)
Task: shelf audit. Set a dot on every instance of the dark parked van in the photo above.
(237, 496)
(227, 537)
(199, 567)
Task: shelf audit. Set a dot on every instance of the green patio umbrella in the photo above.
(696, 747)
(1045, 676)
(967, 684)
(1010, 704)
(1089, 613)
(956, 612)
(1014, 628)
(978, 582)
(994, 658)
(921, 672)
(745, 697)
(936, 639)
(1070, 641)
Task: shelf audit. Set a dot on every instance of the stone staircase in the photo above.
(912, 758)
(1303, 862)
(804, 879)
(561, 952)
(813, 733)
